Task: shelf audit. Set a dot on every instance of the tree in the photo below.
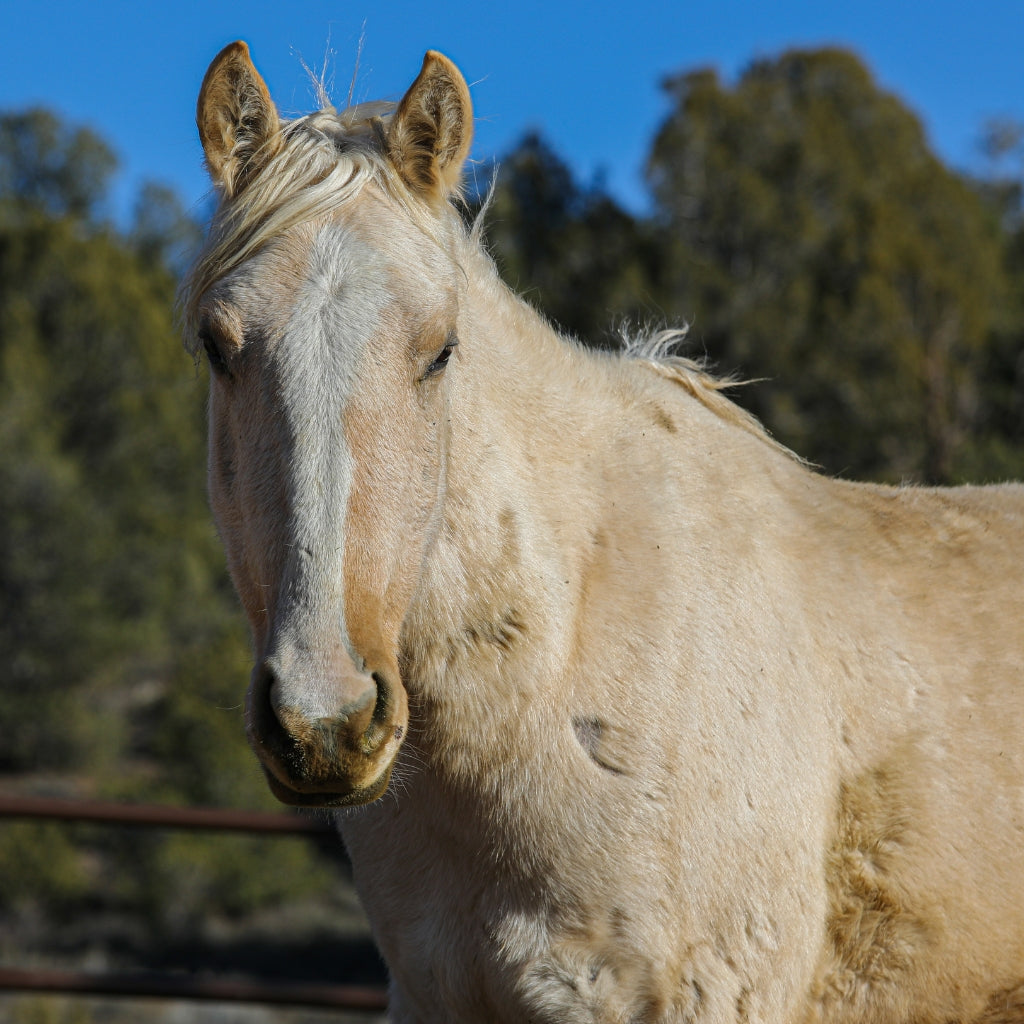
(999, 453)
(51, 168)
(814, 239)
(575, 252)
(123, 649)
(162, 232)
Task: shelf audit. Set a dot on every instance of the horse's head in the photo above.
(327, 303)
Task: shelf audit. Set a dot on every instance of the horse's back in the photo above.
(856, 653)
(926, 868)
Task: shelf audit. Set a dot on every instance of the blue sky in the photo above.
(586, 74)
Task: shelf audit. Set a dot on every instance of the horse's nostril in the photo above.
(270, 687)
(324, 735)
(380, 729)
(262, 721)
(316, 732)
(357, 716)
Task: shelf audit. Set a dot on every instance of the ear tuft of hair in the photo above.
(238, 123)
(430, 133)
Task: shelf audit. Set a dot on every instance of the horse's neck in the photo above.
(496, 609)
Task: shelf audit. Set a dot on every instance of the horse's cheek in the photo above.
(241, 489)
(380, 534)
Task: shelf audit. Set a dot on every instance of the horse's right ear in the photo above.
(238, 123)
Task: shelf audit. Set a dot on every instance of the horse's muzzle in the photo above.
(312, 759)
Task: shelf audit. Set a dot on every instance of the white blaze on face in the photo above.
(315, 367)
(328, 438)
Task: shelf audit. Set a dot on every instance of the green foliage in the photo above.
(125, 656)
(814, 238)
(48, 168)
(100, 423)
(227, 874)
(27, 877)
(46, 1010)
(577, 254)
(162, 232)
(195, 731)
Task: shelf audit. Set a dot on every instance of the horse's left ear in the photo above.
(430, 133)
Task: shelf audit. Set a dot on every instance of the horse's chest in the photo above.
(557, 924)
(509, 967)
(456, 949)
(472, 947)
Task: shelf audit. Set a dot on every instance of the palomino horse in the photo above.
(633, 717)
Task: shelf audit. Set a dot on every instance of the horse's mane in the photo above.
(654, 350)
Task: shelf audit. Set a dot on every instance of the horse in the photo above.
(626, 713)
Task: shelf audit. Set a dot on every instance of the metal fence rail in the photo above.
(169, 986)
(162, 816)
(175, 986)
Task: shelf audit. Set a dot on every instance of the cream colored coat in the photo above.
(633, 716)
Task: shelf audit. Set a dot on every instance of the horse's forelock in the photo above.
(327, 158)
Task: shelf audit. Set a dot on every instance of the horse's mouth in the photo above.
(325, 762)
(321, 774)
(326, 798)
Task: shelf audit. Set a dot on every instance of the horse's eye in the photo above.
(441, 360)
(217, 362)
